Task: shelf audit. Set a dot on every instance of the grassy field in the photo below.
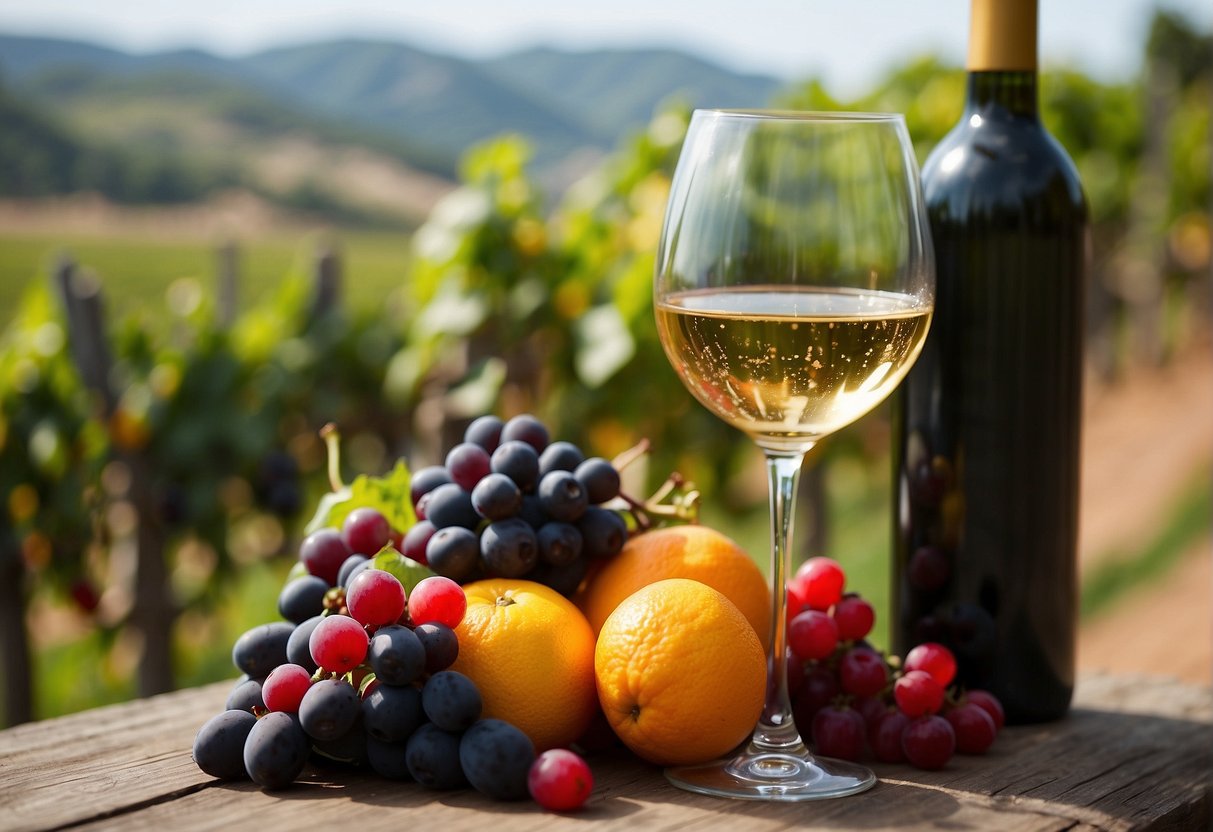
(136, 271)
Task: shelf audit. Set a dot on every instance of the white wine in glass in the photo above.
(793, 291)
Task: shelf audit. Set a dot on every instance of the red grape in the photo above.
(812, 635)
(468, 464)
(795, 670)
(974, 728)
(838, 732)
(990, 704)
(375, 597)
(366, 531)
(917, 693)
(338, 644)
(322, 553)
(415, 541)
(885, 736)
(797, 603)
(928, 742)
(854, 617)
(437, 600)
(559, 780)
(817, 689)
(284, 688)
(935, 659)
(871, 708)
(822, 580)
(862, 672)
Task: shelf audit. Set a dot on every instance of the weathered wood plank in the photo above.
(1135, 754)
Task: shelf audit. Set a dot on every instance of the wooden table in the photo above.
(1136, 753)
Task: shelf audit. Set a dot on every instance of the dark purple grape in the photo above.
(323, 552)
(392, 714)
(329, 709)
(532, 512)
(387, 759)
(562, 497)
(603, 532)
(485, 432)
(219, 744)
(276, 750)
(559, 543)
(298, 646)
(518, 461)
(453, 552)
(302, 598)
(599, 479)
(432, 757)
(349, 570)
(450, 505)
(349, 749)
(396, 655)
(440, 644)
(426, 480)
(526, 428)
(496, 758)
(416, 539)
(496, 497)
(564, 579)
(451, 701)
(467, 464)
(245, 696)
(560, 456)
(508, 548)
(261, 649)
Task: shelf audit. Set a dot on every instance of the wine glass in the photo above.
(794, 288)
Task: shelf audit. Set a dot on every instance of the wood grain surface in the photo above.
(1135, 753)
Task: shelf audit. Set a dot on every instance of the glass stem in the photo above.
(776, 731)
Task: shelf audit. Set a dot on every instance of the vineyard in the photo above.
(156, 465)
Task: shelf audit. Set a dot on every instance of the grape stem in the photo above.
(332, 443)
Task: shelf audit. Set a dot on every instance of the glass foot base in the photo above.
(774, 776)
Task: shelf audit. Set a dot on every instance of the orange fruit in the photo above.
(696, 552)
(531, 653)
(681, 674)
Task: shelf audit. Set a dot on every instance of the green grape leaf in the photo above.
(389, 494)
(408, 571)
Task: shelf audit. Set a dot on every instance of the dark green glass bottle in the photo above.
(986, 441)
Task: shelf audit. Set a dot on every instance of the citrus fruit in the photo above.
(681, 674)
(696, 552)
(531, 653)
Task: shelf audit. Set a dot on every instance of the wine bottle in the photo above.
(986, 439)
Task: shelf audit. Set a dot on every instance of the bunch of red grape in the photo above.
(360, 676)
(847, 696)
(510, 503)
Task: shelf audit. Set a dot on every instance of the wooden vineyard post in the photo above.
(153, 612)
(14, 637)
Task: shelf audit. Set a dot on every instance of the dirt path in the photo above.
(1164, 628)
(1145, 442)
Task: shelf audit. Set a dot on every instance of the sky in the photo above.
(847, 43)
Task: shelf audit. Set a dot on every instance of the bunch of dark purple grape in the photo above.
(368, 687)
(511, 503)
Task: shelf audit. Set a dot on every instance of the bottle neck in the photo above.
(1008, 92)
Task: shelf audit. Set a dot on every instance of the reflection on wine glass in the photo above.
(794, 288)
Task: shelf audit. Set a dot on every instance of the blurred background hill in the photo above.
(205, 255)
